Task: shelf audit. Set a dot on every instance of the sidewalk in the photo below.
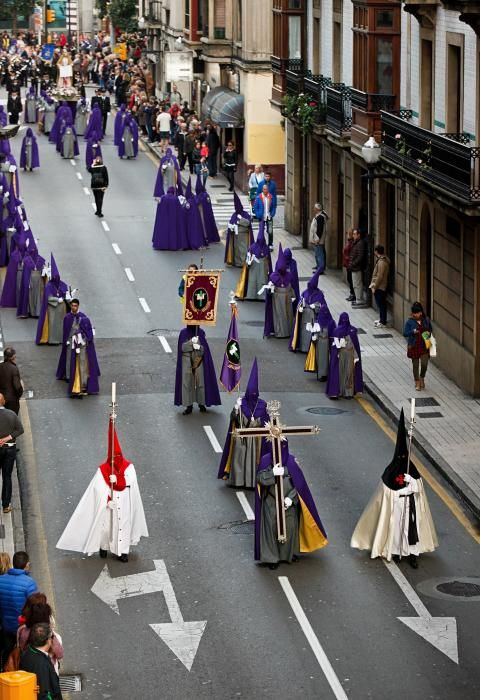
(448, 420)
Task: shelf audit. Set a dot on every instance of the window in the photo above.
(219, 19)
(187, 14)
(384, 19)
(316, 46)
(426, 84)
(454, 88)
(238, 21)
(294, 37)
(384, 66)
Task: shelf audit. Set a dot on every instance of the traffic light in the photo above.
(50, 16)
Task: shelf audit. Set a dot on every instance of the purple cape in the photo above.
(5, 147)
(212, 395)
(158, 190)
(31, 261)
(195, 233)
(30, 93)
(52, 289)
(204, 204)
(3, 116)
(238, 214)
(23, 155)
(170, 229)
(95, 124)
(9, 291)
(293, 270)
(92, 150)
(76, 150)
(63, 113)
(300, 485)
(94, 370)
(132, 125)
(118, 125)
(333, 384)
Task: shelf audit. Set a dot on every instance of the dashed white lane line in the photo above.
(129, 274)
(80, 176)
(94, 206)
(72, 161)
(247, 509)
(144, 305)
(86, 190)
(106, 227)
(213, 439)
(116, 248)
(312, 639)
(164, 343)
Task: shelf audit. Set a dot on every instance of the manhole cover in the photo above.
(325, 411)
(239, 527)
(71, 683)
(426, 402)
(258, 324)
(159, 331)
(430, 414)
(460, 589)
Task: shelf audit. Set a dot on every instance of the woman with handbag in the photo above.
(418, 332)
(36, 609)
(99, 183)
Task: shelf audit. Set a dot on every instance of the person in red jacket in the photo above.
(346, 263)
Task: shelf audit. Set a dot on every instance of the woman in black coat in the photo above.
(99, 183)
(230, 160)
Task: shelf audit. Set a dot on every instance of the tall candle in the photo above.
(114, 392)
(412, 409)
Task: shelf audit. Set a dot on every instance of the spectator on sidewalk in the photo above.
(357, 266)
(5, 563)
(256, 177)
(36, 610)
(272, 186)
(318, 235)
(417, 331)
(36, 660)
(190, 139)
(163, 127)
(346, 262)
(10, 429)
(265, 208)
(212, 142)
(379, 284)
(15, 588)
(197, 157)
(10, 382)
(230, 161)
(180, 144)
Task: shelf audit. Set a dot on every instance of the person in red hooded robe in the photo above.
(110, 514)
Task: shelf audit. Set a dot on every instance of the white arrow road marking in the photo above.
(183, 638)
(80, 176)
(116, 249)
(164, 343)
(245, 505)
(440, 632)
(312, 639)
(129, 274)
(213, 439)
(105, 226)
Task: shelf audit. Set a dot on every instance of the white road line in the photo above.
(105, 226)
(80, 176)
(245, 505)
(116, 248)
(144, 305)
(72, 161)
(129, 274)
(213, 439)
(164, 343)
(407, 589)
(312, 639)
(94, 206)
(86, 190)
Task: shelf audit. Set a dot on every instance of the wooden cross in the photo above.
(275, 433)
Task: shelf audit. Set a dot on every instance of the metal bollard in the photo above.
(18, 685)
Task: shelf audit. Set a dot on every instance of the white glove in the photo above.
(195, 340)
(300, 309)
(355, 360)
(288, 502)
(238, 403)
(407, 478)
(60, 299)
(312, 306)
(278, 470)
(113, 479)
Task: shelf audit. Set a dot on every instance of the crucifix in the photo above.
(275, 433)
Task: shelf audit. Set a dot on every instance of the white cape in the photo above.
(376, 528)
(92, 516)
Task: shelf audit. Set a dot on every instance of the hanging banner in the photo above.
(201, 298)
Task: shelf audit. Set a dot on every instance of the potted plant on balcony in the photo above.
(301, 109)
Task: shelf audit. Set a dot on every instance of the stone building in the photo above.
(409, 74)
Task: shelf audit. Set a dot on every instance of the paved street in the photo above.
(253, 644)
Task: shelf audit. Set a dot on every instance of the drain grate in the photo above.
(459, 589)
(71, 683)
(430, 414)
(325, 411)
(382, 335)
(239, 527)
(427, 401)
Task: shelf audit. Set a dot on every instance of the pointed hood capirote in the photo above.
(260, 248)
(251, 392)
(281, 277)
(115, 462)
(54, 272)
(393, 476)
(188, 189)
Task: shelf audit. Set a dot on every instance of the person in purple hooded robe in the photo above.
(195, 378)
(48, 114)
(256, 269)
(81, 117)
(8, 166)
(304, 529)
(63, 112)
(321, 332)
(92, 150)
(195, 234)
(128, 146)
(239, 235)
(3, 116)
(78, 363)
(32, 283)
(168, 175)
(170, 229)
(293, 270)
(279, 301)
(345, 378)
(68, 141)
(309, 303)
(53, 309)
(13, 276)
(95, 123)
(5, 148)
(30, 115)
(241, 456)
(204, 205)
(118, 124)
(29, 158)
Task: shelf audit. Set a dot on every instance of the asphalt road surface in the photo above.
(253, 644)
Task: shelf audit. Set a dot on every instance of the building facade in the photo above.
(409, 74)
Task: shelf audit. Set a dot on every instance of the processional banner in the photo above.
(201, 298)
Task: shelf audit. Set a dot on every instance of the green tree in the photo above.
(123, 14)
(101, 6)
(13, 9)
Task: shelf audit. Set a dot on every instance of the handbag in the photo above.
(433, 346)
(13, 661)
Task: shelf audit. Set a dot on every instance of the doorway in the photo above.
(389, 224)
(425, 261)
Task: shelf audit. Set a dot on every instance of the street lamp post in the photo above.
(371, 153)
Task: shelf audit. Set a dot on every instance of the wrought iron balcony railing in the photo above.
(294, 76)
(444, 161)
(339, 109)
(372, 102)
(316, 87)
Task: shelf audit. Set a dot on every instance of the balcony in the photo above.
(444, 162)
(316, 87)
(339, 109)
(294, 76)
(366, 108)
(468, 10)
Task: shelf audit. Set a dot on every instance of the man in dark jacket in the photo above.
(10, 382)
(10, 428)
(213, 144)
(180, 138)
(357, 266)
(15, 587)
(35, 659)
(14, 106)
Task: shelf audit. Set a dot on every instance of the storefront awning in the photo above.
(223, 107)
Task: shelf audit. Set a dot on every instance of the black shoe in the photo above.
(295, 558)
(100, 215)
(187, 411)
(123, 557)
(350, 298)
(96, 213)
(202, 408)
(396, 558)
(413, 561)
(274, 566)
(103, 553)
